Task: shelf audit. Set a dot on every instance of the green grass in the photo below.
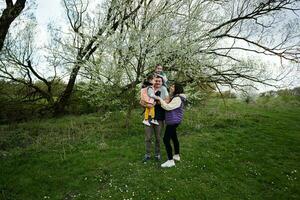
(237, 151)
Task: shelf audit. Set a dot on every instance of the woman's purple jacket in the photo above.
(175, 116)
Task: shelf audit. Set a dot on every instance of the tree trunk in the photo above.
(84, 55)
(59, 106)
(9, 14)
(131, 104)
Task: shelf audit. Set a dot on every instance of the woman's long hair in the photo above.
(178, 89)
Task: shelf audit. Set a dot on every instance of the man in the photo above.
(161, 91)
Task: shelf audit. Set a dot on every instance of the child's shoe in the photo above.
(146, 122)
(168, 163)
(154, 121)
(176, 157)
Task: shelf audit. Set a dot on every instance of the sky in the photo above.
(52, 11)
(48, 11)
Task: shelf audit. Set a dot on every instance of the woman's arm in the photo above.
(175, 103)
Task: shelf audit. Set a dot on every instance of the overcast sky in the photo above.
(48, 11)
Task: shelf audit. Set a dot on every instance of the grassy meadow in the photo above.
(232, 151)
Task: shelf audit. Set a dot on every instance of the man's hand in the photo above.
(156, 97)
(159, 98)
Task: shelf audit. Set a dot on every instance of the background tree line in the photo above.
(104, 52)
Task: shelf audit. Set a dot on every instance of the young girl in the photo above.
(148, 98)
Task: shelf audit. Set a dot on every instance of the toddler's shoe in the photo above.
(154, 121)
(146, 123)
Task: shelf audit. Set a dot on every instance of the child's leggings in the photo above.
(149, 111)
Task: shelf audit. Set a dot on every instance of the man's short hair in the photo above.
(159, 76)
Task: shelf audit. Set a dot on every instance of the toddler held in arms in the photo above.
(148, 99)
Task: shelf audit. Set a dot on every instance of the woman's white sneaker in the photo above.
(168, 163)
(176, 157)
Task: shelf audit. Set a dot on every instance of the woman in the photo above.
(174, 114)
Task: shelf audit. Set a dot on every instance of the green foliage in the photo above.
(100, 95)
(14, 106)
(57, 86)
(226, 94)
(78, 104)
(196, 94)
(16, 111)
(278, 102)
(109, 97)
(285, 92)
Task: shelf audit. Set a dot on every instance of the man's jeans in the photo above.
(157, 129)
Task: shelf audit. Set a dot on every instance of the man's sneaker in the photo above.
(168, 163)
(154, 121)
(146, 159)
(157, 158)
(176, 157)
(146, 123)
